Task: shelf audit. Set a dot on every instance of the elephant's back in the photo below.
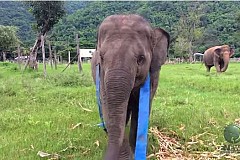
(211, 50)
(122, 19)
(208, 55)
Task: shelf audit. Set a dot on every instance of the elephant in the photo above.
(218, 56)
(128, 49)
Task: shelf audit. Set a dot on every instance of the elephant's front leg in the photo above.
(217, 66)
(208, 67)
(133, 104)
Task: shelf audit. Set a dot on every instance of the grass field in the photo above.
(59, 114)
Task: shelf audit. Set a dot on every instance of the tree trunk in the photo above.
(190, 52)
(43, 55)
(34, 50)
(50, 54)
(32, 59)
(78, 53)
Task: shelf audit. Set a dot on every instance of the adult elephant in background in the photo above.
(218, 56)
(128, 48)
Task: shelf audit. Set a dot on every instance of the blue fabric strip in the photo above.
(143, 116)
(98, 97)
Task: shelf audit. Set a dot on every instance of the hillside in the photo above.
(15, 13)
(215, 22)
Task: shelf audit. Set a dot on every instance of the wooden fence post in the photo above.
(69, 58)
(78, 53)
(4, 56)
(43, 55)
(55, 58)
(19, 57)
(50, 54)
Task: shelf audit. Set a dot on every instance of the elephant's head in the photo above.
(224, 53)
(128, 49)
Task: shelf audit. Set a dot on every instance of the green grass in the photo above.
(38, 114)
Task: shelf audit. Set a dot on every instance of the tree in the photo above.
(188, 27)
(237, 36)
(216, 21)
(181, 48)
(8, 39)
(47, 14)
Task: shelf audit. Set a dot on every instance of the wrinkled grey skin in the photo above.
(127, 49)
(218, 56)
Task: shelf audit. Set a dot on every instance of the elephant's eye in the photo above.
(140, 59)
(101, 56)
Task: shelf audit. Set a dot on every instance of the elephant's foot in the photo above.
(125, 152)
(126, 158)
(125, 155)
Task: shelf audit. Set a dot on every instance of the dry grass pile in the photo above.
(170, 148)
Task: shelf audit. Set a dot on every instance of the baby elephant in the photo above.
(218, 56)
(128, 50)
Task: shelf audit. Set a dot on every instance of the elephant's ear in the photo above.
(231, 52)
(160, 48)
(217, 52)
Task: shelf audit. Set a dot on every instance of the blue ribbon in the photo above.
(143, 116)
(102, 124)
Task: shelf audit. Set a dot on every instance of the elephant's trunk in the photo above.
(226, 62)
(118, 86)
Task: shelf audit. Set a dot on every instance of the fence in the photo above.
(234, 59)
(182, 60)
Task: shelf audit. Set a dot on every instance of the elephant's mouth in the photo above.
(221, 62)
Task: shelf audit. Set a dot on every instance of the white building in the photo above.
(86, 53)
